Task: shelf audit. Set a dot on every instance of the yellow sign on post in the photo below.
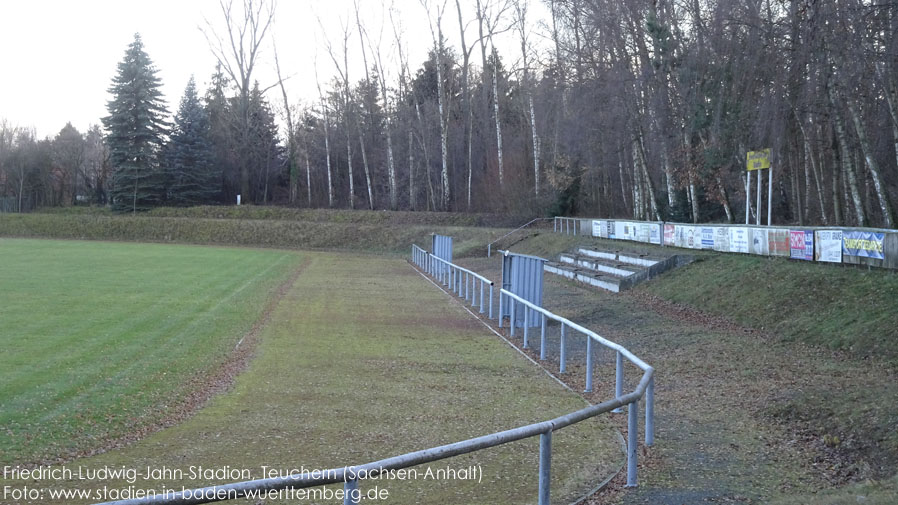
(757, 160)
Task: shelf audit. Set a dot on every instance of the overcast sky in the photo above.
(58, 56)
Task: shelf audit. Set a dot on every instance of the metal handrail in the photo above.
(460, 280)
(566, 225)
(350, 475)
(591, 334)
(489, 247)
(426, 261)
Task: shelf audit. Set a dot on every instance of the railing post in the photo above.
(555, 224)
(588, 364)
(489, 248)
(545, 466)
(632, 440)
(619, 379)
(500, 305)
(491, 304)
(526, 326)
(542, 337)
(511, 320)
(350, 492)
(481, 296)
(650, 413)
(563, 353)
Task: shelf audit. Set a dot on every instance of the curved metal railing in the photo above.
(489, 247)
(461, 281)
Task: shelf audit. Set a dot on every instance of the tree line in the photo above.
(643, 109)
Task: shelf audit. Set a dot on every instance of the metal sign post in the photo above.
(759, 160)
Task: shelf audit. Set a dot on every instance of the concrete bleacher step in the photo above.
(644, 260)
(614, 271)
(605, 266)
(591, 277)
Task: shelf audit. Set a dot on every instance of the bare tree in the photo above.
(437, 35)
(237, 52)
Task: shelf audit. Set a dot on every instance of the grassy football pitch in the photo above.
(361, 359)
(99, 338)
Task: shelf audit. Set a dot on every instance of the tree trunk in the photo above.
(444, 130)
(327, 150)
(367, 172)
(391, 171)
(884, 205)
(648, 180)
(308, 179)
(623, 180)
(724, 199)
(668, 179)
(848, 171)
(411, 171)
(536, 152)
(693, 194)
(349, 170)
(498, 118)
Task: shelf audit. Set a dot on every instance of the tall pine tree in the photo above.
(135, 131)
(190, 169)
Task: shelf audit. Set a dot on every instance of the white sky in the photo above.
(58, 57)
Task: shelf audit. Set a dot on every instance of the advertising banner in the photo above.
(622, 230)
(642, 232)
(596, 228)
(738, 240)
(610, 230)
(655, 233)
(707, 239)
(669, 234)
(721, 239)
(679, 235)
(693, 235)
(828, 246)
(759, 241)
(778, 242)
(801, 245)
(862, 243)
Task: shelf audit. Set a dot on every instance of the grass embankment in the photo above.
(820, 368)
(278, 213)
(99, 339)
(359, 234)
(364, 359)
(837, 307)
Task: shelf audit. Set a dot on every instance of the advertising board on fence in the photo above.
(596, 228)
(801, 245)
(721, 239)
(828, 246)
(621, 230)
(655, 233)
(739, 240)
(669, 231)
(778, 242)
(759, 241)
(707, 239)
(864, 244)
(642, 232)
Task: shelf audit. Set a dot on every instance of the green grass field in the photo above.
(361, 359)
(100, 338)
